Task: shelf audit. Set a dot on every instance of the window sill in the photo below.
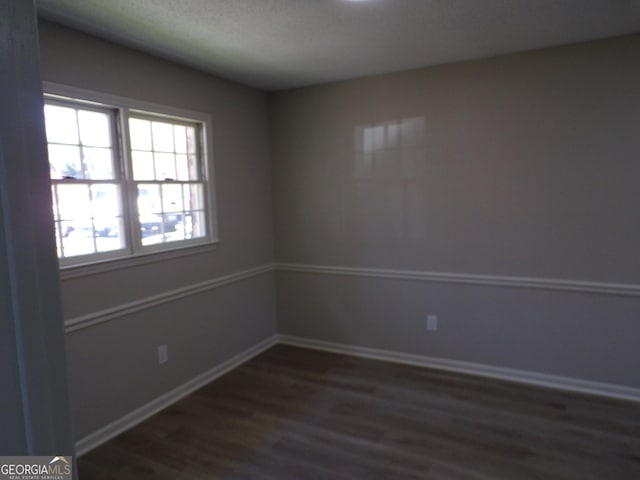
(79, 271)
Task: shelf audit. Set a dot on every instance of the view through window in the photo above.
(169, 189)
(110, 201)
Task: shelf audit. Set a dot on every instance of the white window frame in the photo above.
(135, 253)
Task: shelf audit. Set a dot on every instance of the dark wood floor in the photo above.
(299, 414)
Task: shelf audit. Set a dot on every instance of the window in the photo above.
(125, 181)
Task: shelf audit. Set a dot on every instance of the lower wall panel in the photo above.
(113, 368)
(575, 340)
(577, 335)
(132, 418)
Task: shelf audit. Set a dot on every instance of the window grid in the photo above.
(177, 216)
(77, 177)
(103, 237)
(157, 210)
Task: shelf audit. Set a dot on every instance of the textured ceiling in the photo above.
(277, 44)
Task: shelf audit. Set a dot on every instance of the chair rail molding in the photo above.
(125, 309)
(577, 286)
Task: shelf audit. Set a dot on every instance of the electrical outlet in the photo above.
(163, 354)
(432, 322)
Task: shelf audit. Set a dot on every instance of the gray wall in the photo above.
(112, 366)
(519, 166)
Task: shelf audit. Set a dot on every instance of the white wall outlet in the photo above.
(163, 354)
(432, 322)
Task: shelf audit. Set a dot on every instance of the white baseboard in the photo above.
(477, 369)
(140, 414)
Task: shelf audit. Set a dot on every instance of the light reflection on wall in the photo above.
(389, 173)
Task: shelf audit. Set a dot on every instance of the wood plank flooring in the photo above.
(299, 414)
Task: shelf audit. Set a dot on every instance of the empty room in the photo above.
(332, 239)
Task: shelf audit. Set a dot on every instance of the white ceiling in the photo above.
(277, 44)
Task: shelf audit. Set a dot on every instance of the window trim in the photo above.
(95, 263)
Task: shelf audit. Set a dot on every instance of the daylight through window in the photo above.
(124, 182)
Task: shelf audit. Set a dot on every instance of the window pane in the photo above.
(91, 218)
(172, 198)
(109, 231)
(151, 229)
(162, 137)
(187, 167)
(182, 164)
(143, 166)
(140, 134)
(107, 227)
(170, 212)
(165, 166)
(95, 129)
(193, 168)
(105, 201)
(160, 210)
(180, 135)
(61, 124)
(74, 202)
(149, 200)
(192, 140)
(195, 221)
(173, 227)
(64, 161)
(197, 227)
(98, 163)
(193, 197)
(77, 238)
(172, 221)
